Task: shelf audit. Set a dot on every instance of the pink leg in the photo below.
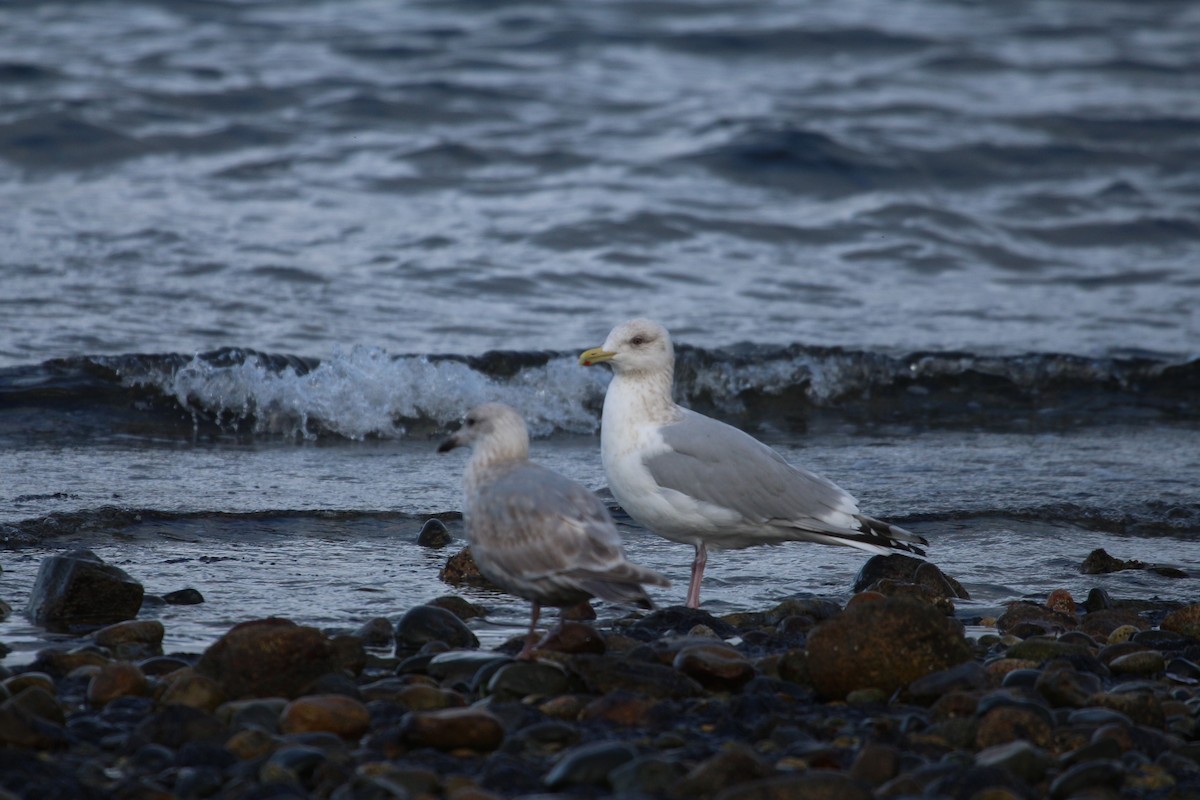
(526, 653)
(693, 595)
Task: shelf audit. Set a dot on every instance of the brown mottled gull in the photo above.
(692, 479)
(533, 532)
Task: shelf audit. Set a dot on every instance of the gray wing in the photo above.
(719, 464)
(538, 526)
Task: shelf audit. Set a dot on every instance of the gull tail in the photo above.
(622, 584)
(874, 536)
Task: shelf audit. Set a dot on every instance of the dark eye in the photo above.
(638, 341)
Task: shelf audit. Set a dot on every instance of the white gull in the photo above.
(693, 479)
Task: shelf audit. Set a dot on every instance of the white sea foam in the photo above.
(367, 392)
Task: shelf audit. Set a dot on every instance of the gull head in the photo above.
(637, 346)
(494, 431)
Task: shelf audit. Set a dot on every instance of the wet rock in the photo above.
(1024, 760)
(263, 714)
(1067, 688)
(1185, 621)
(349, 654)
(118, 679)
(460, 569)
(883, 645)
(734, 764)
(376, 632)
(183, 597)
(78, 589)
(573, 638)
(1141, 707)
(813, 785)
(519, 679)
(1028, 619)
(716, 666)
(620, 708)
(333, 713)
(1008, 723)
(460, 666)
(423, 624)
(133, 639)
(876, 764)
(1099, 562)
(1106, 774)
(267, 658)
(1143, 662)
(1101, 624)
(678, 620)
(968, 676)
(648, 775)
(589, 764)
(1041, 649)
(602, 674)
(463, 609)
(174, 726)
(22, 729)
(434, 533)
(188, 688)
(453, 729)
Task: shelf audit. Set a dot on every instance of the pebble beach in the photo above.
(888, 695)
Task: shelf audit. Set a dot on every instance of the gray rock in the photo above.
(423, 624)
(78, 589)
(589, 764)
(434, 533)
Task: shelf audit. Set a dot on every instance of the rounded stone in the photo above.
(1144, 662)
(434, 533)
(453, 729)
(423, 624)
(1184, 620)
(268, 658)
(332, 713)
(118, 679)
(716, 667)
(589, 764)
(884, 645)
(187, 687)
(519, 679)
(1007, 723)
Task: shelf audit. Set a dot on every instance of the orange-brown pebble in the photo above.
(251, 743)
(187, 688)
(23, 680)
(118, 679)
(1060, 600)
(866, 597)
(997, 669)
(332, 713)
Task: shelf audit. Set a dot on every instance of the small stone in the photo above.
(812, 785)
(251, 743)
(876, 764)
(651, 775)
(187, 687)
(183, 597)
(434, 533)
(1184, 620)
(589, 764)
(1042, 649)
(37, 701)
(118, 679)
(1143, 662)
(519, 679)
(1141, 707)
(1122, 633)
(620, 708)
(174, 726)
(1067, 688)
(1109, 774)
(375, 632)
(1008, 723)
(602, 674)
(717, 667)
(1028, 762)
(242, 714)
(423, 624)
(452, 729)
(334, 713)
(572, 637)
(459, 607)
(1099, 562)
(461, 569)
(733, 764)
(1024, 619)
(678, 620)
(968, 676)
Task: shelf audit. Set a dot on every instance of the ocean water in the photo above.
(258, 257)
